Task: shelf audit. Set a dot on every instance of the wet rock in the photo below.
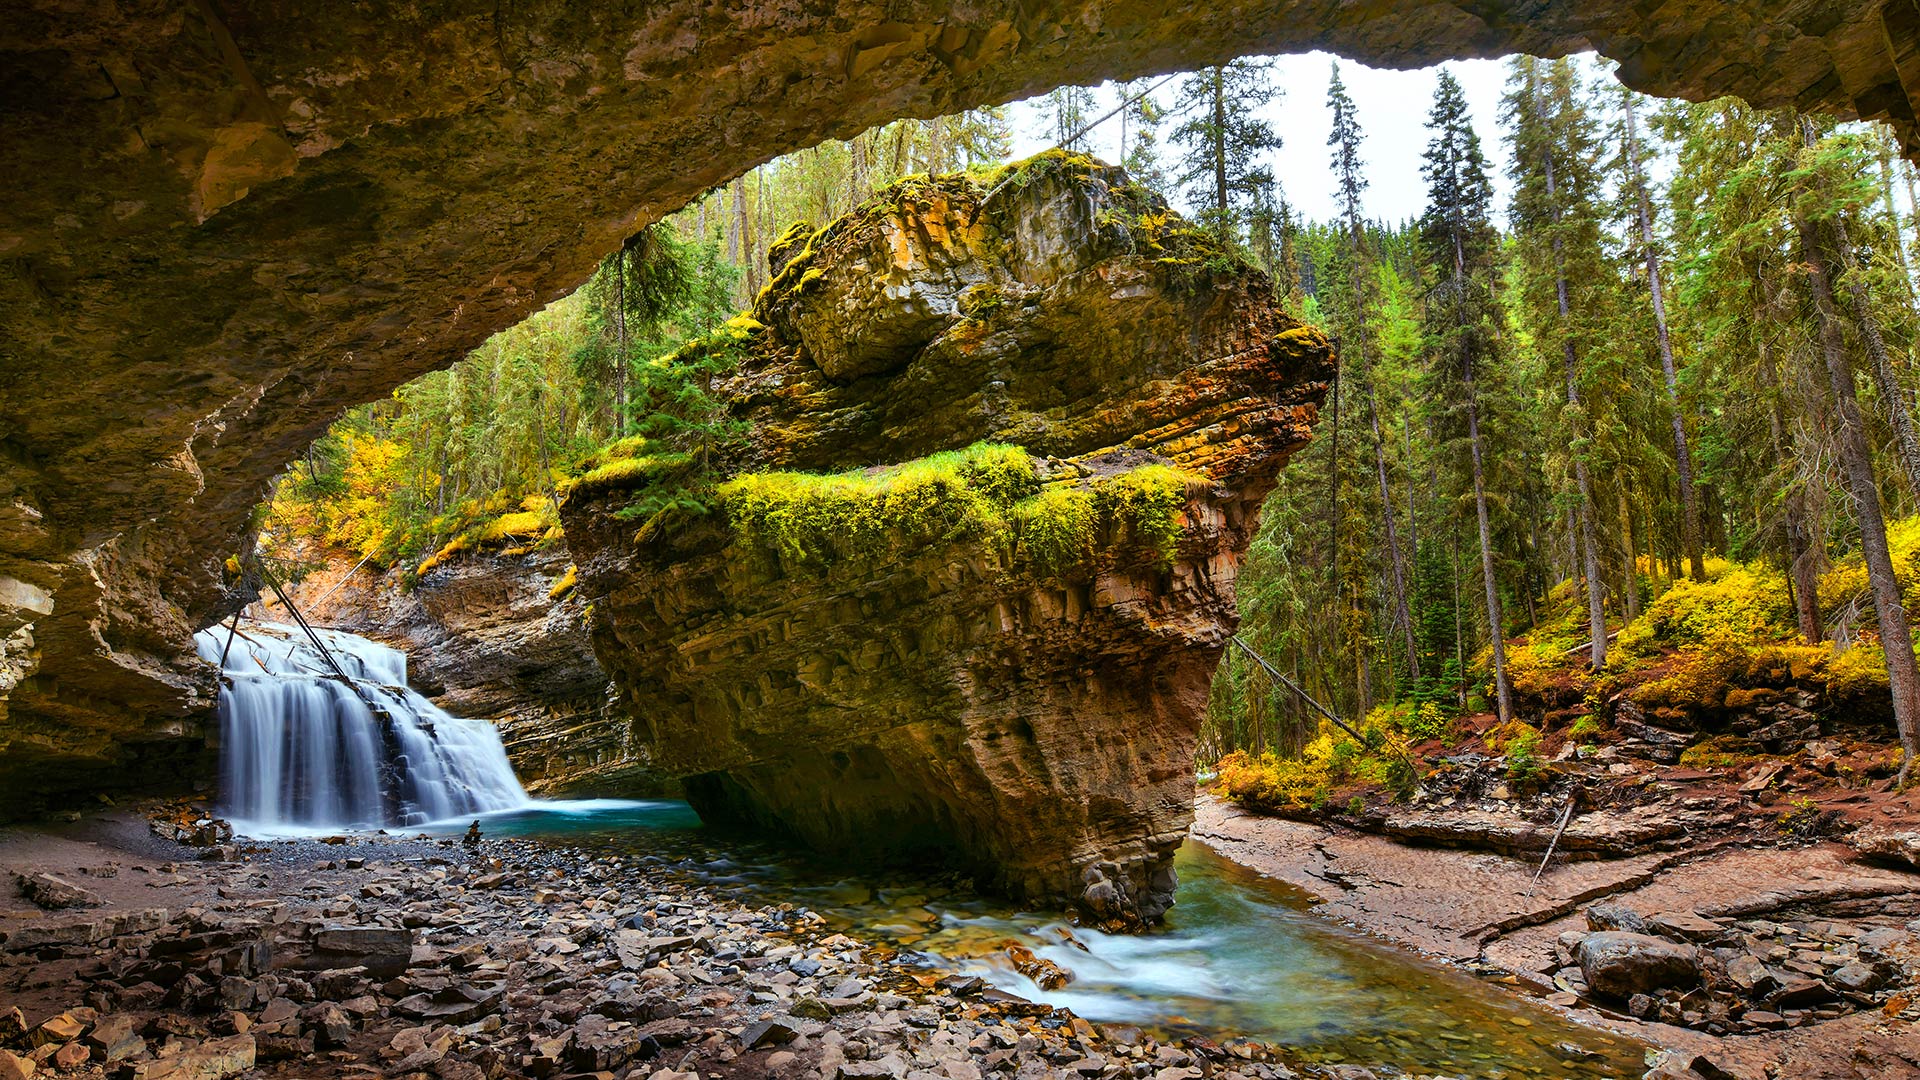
(1624, 964)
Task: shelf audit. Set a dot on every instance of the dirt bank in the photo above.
(1481, 908)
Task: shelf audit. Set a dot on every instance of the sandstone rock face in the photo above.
(485, 637)
(227, 222)
(1033, 723)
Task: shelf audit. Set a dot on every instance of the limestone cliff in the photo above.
(999, 655)
(499, 635)
(226, 222)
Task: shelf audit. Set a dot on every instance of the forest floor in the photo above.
(1781, 872)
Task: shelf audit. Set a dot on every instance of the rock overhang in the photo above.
(228, 222)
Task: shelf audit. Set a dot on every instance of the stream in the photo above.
(1240, 955)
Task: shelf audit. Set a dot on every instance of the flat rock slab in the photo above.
(54, 893)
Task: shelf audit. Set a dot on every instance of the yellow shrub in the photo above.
(1743, 603)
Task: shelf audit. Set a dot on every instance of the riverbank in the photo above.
(1479, 908)
(428, 958)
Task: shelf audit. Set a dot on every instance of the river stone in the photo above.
(1617, 917)
(1623, 964)
(385, 951)
(210, 1060)
(1856, 978)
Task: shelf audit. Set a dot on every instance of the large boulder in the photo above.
(1624, 964)
(1004, 661)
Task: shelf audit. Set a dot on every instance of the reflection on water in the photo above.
(1240, 954)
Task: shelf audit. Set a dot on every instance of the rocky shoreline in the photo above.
(424, 958)
(1742, 958)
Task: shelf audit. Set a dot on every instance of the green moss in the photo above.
(1148, 501)
(820, 519)
(624, 472)
(1059, 527)
(987, 493)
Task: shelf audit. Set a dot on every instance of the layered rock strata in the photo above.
(1023, 706)
(225, 223)
(501, 636)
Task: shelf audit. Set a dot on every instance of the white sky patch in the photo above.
(1392, 109)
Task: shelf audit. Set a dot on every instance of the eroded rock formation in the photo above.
(226, 222)
(501, 636)
(964, 688)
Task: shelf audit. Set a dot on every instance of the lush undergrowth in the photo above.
(1700, 655)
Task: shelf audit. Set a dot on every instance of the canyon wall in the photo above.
(1018, 695)
(225, 223)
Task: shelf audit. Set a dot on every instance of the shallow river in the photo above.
(1240, 953)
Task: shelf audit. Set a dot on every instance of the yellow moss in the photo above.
(565, 584)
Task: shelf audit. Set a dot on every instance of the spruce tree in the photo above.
(1556, 222)
(1459, 242)
(1224, 141)
(1344, 140)
(1140, 134)
(1069, 108)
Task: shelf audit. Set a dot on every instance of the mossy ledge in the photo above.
(958, 579)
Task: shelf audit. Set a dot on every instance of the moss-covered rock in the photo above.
(962, 585)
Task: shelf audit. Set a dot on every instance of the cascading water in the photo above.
(300, 748)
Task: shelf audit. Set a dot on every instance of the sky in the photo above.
(1390, 105)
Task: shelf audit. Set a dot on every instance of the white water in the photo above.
(302, 751)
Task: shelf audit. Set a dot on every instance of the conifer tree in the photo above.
(1225, 141)
(1557, 225)
(1344, 139)
(1140, 118)
(1069, 108)
(1459, 242)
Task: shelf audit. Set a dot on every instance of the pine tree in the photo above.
(1139, 133)
(1815, 207)
(1069, 108)
(1460, 244)
(1557, 225)
(1344, 140)
(1224, 141)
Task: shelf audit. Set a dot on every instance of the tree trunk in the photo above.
(1396, 562)
(1503, 690)
(1856, 456)
(1220, 149)
(1893, 397)
(1893, 213)
(620, 343)
(1584, 513)
(1682, 452)
(1630, 559)
(1803, 557)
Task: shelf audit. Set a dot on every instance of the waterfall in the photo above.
(299, 748)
